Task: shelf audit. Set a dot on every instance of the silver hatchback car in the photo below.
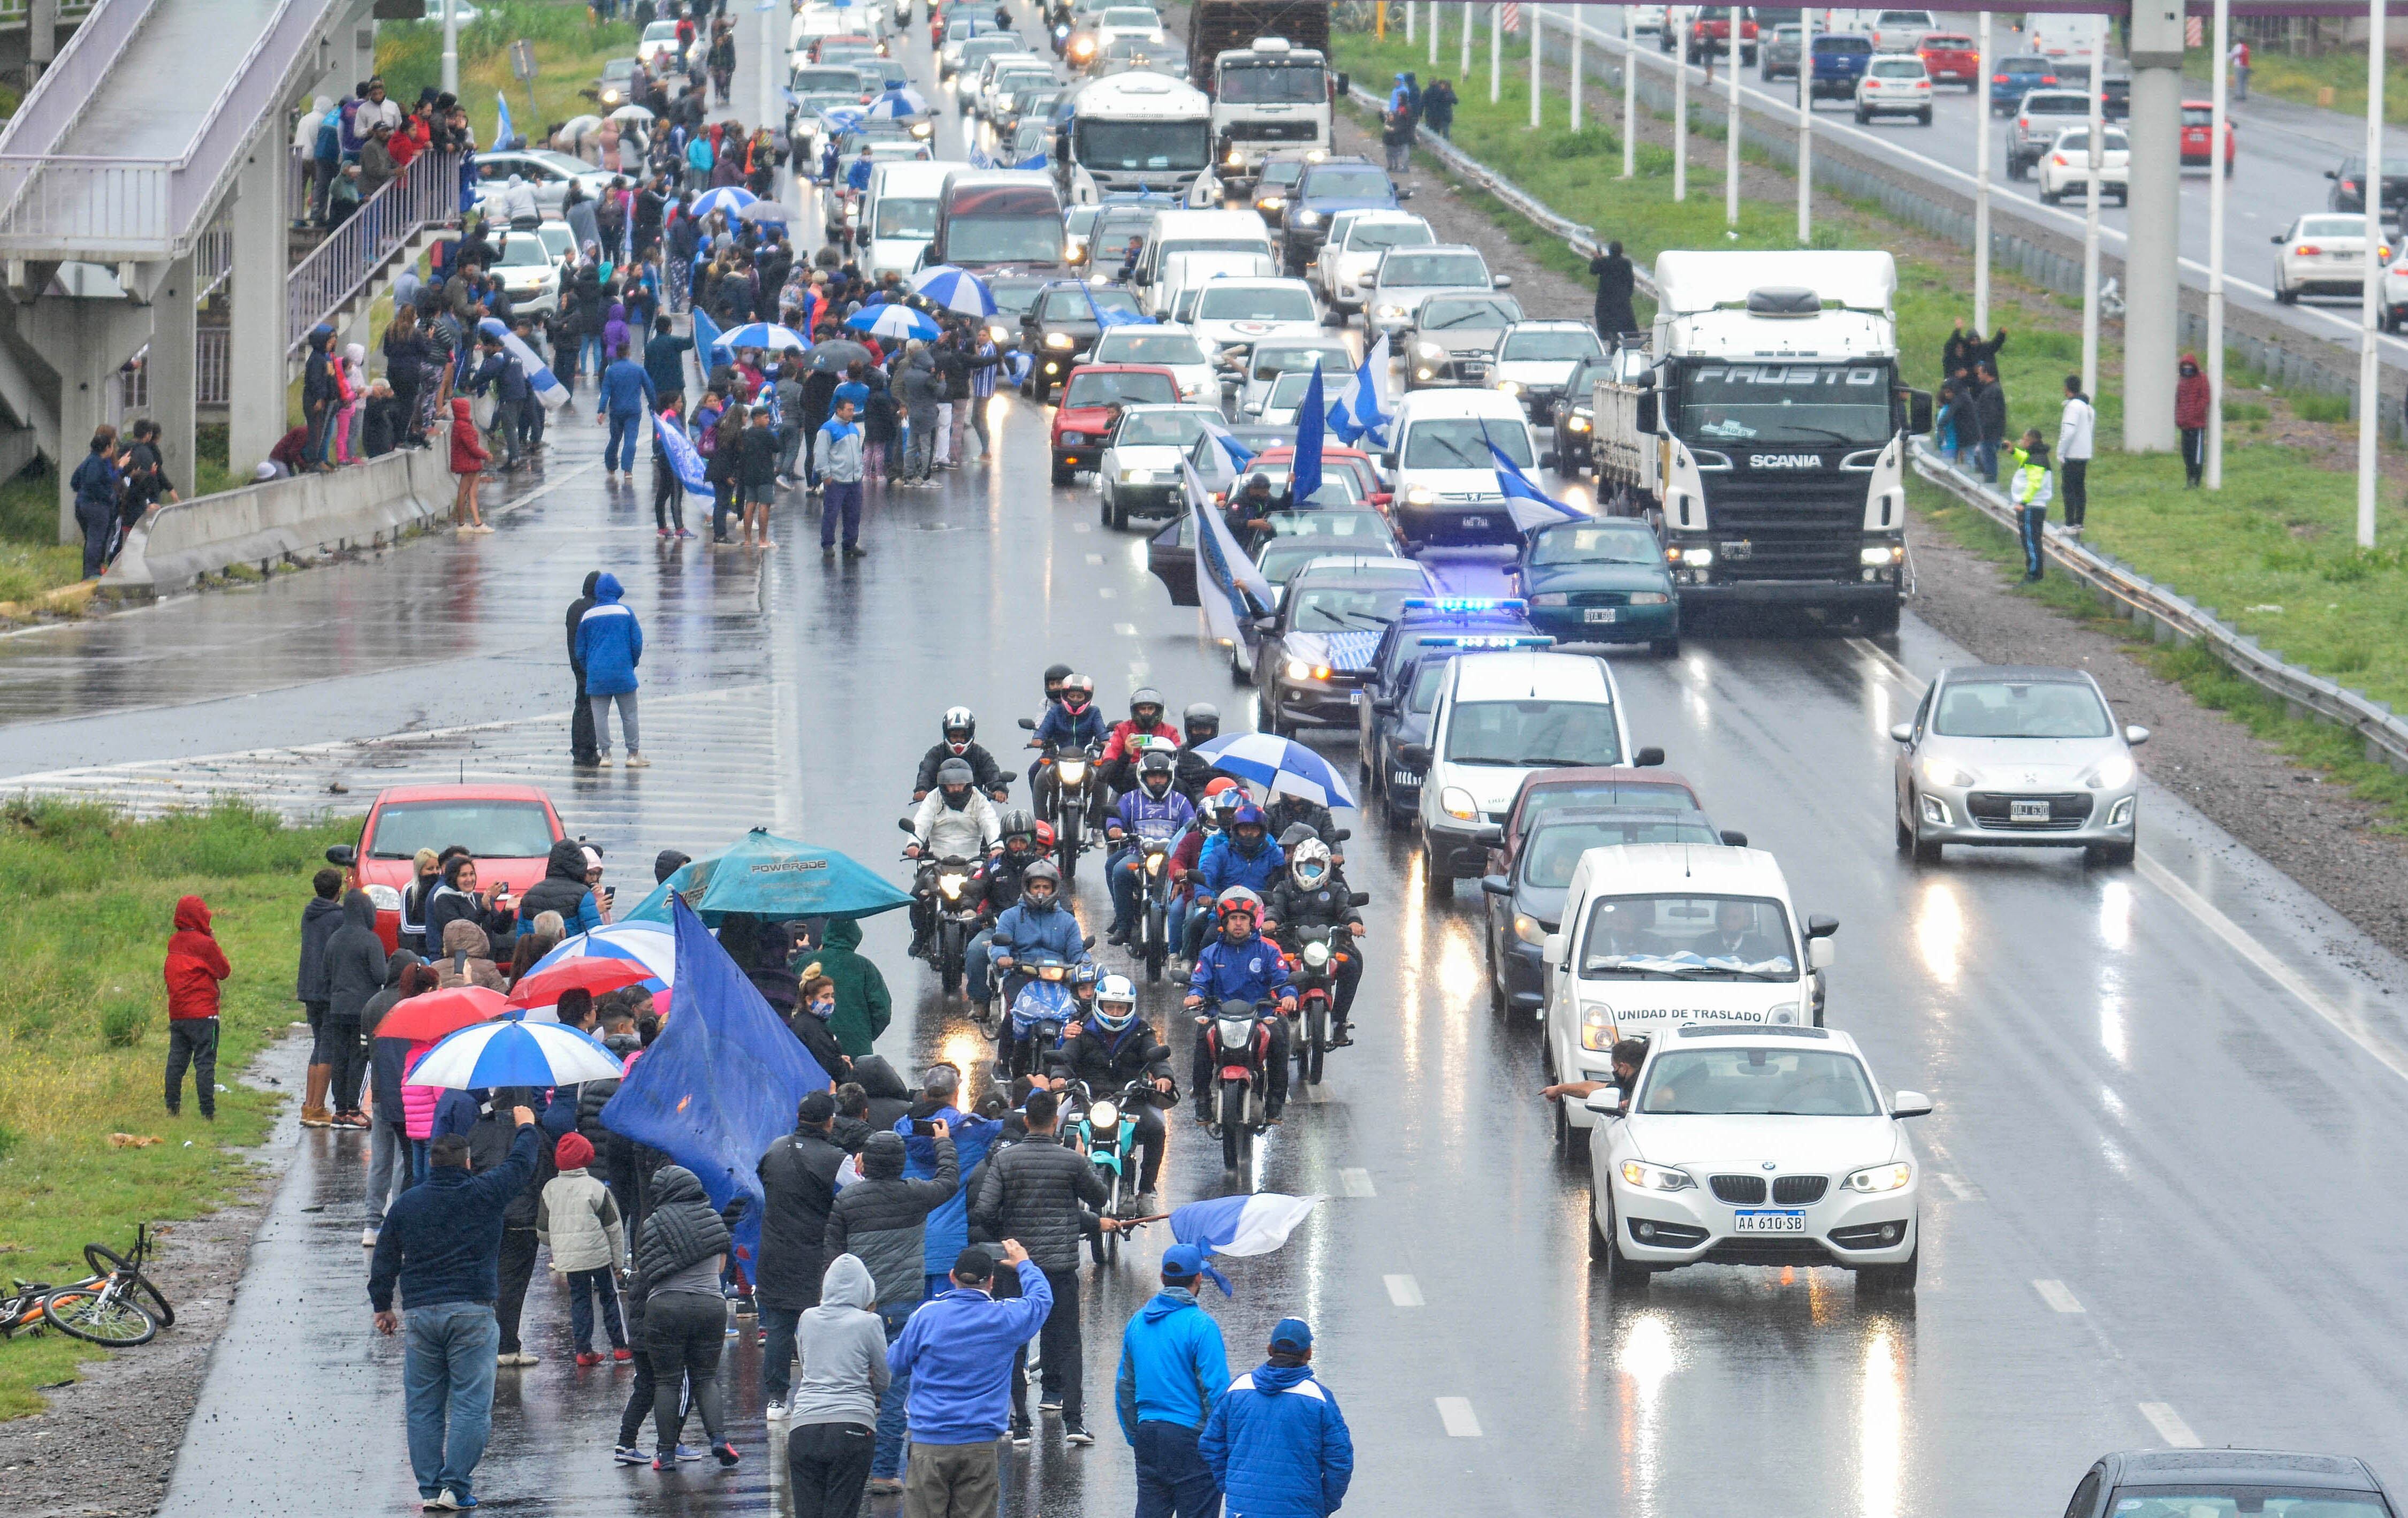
(2019, 756)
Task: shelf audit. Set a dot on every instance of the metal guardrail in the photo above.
(426, 193)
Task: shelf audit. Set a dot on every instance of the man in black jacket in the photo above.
(488, 1144)
(1615, 280)
(797, 1190)
(319, 920)
(1990, 411)
(1108, 1052)
(882, 1220)
(1042, 1194)
(355, 965)
(563, 888)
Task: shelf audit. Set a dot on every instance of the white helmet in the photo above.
(1115, 1001)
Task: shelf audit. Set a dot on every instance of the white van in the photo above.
(1182, 273)
(899, 214)
(1239, 313)
(1444, 478)
(1175, 231)
(1498, 717)
(1658, 934)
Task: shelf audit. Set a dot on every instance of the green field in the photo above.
(570, 49)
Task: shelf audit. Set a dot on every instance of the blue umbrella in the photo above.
(1277, 763)
(893, 322)
(510, 1053)
(727, 197)
(767, 335)
(955, 290)
(899, 103)
(774, 877)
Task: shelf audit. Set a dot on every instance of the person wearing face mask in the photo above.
(960, 729)
(1153, 808)
(1037, 923)
(1628, 1055)
(1072, 721)
(1242, 855)
(956, 821)
(1314, 894)
(811, 1025)
(1108, 1047)
(1128, 738)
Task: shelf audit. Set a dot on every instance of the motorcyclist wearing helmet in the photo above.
(1153, 810)
(1039, 920)
(998, 882)
(1083, 977)
(1109, 1048)
(959, 728)
(1054, 676)
(1201, 724)
(1072, 721)
(1240, 965)
(1286, 810)
(1243, 854)
(953, 821)
(1122, 747)
(1221, 800)
(1314, 893)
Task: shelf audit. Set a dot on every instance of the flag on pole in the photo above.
(1304, 477)
(1218, 457)
(1236, 1226)
(684, 457)
(503, 131)
(1226, 581)
(1530, 506)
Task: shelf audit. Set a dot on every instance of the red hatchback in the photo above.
(2198, 132)
(1951, 58)
(1092, 396)
(509, 829)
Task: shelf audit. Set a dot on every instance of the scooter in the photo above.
(1314, 966)
(1041, 1010)
(1105, 1131)
(1241, 1052)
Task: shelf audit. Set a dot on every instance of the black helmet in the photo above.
(1144, 696)
(1017, 822)
(1202, 715)
(1156, 762)
(1297, 834)
(1054, 676)
(954, 772)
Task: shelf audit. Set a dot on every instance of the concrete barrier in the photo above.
(366, 506)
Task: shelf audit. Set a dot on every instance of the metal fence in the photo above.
(213, 384)
(428, 193)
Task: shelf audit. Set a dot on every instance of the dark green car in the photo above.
(1602, 582)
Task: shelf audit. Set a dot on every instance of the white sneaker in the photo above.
(776, 1412)
(636, 761)
(367, 1238)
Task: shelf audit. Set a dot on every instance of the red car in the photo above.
(1710, 32)
(1356, 463)
(1092, 397)
(1951, 58)
(2197, 129)
(509, 829)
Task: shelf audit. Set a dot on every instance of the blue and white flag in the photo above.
(1034, 162)
(549, 391)
(683, 456)
(1530, 506)
(1305, 473)
(503, 131)
(1117, 317)
(706, 340)
(899, 103)
(1218, 457)
(1227, 583)
(1235, 1226)
(980, 158)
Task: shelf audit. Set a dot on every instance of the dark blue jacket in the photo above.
(610, 641)
(1252, 971)
(501, 374)
(441, 1237)
(1278, 1446)
(1021, 932)
(626, 389)
(1220, 865)
(1059, 727)
(664, 361)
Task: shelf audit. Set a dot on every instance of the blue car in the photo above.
(2015, 77)
(1602, 582)
(1326, 188)
(1841, 59)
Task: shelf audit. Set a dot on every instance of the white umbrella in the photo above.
(510, 1053)
(631, 113)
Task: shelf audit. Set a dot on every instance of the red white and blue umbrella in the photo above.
(727, 197)
(649, 944)
(956, 289)
(1277, 763)
(514, 1054)
(894, 321)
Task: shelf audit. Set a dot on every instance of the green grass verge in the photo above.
(2275, 552)
(2302, 80)
(32, 558)
(570, 49)
(83, 1032)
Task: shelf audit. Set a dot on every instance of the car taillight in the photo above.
(1997, 79)
(2048, 78)
(2058, 159)
(2308, 250)
(2350, 186)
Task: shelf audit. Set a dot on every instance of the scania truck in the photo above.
(1763, 428)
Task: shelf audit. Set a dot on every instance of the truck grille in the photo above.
(1297, 130)
(1791, 529)
(1741, 1189)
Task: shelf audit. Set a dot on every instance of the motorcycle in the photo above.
(1069, 802)
(1241, 1049)
(1313, 965)
(1153, 941)
(1041, 1010)
(951, 888)
(1105, 1131)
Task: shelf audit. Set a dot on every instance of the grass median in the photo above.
(2274, 551)
(83, 1032)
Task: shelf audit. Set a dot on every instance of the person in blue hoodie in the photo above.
(1241, 853)
(609, 644)
(1038, 922)
(957, 1350)
(628, 396)
(1173, 1368)
(1276, 1442)
(948, 1228)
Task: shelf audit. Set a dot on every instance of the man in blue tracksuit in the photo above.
(609, 645)
(1276, 1442)
(1240, 965)
(627, 397)
(1155, 809)
(1037, 920)
(1173, 1367)
(957, 1351)
(1243, 854)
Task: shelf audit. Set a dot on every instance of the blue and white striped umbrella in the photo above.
(899, 103)
(842, 118)
(893, 322)
(1278, 764)
(510, 1053)
(767, 335)
(956, 289)
(730, 198)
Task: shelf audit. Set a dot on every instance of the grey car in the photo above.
(2039, 119)
(1778, 57)
(2021, 756)
(1453, 340)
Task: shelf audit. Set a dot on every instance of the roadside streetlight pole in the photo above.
(1805, 124)
(2096, 133)
(2369, 389)
(1629, 97)
(1981, 191)
(1538, 30)
(2215, 130)
(1578, 25)
(1680, 114)
(1730, 124)
(1496, 53)
(451, 49)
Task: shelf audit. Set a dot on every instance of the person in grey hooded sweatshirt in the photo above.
(355, 972)
(828, 1449)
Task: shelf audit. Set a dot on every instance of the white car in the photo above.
(529, 273)
(1895, 87)
(1534, 360)
(2393, 313)
(960, 60)
(658, 51)
(2064, 170)
(1141, 21)
(1270, 360)
(549, 172)
(1004, 72)
(1645, 20)
(2324, 254)
(1903, 31)
(1139, 474)
(1756, 1146)
(1406, 277)
(1239, 313)
(1163, 347)
(1341, 270)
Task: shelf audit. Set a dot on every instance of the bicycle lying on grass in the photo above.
(116, 1304)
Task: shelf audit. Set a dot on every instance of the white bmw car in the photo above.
(1756, 1146)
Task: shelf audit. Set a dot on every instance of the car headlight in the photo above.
(999, 334)
(1882, 553)
(1060, 342)
(1550, 598)
(1429, 350)
(1307, 218)
(924, 129)
(1302, 669)
(1874, 1179)
(384, 898)
(1074, 438)
(1649, 597)
(1509, 387)
(1529, 929)
(1941, 771)
(1648, 1177)
(1597, 1027)
(2113, 773)
(1578, 421)
(1457, 803)
(1392, 310)
(1269, 203)
(1421, 495)
(1137, 477)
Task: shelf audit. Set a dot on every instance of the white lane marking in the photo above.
(2056, 1295)
(1082, 526)
(1129, 629)
(1356, 1183)
(2169, 1424)
(1461, 1421)
(1964, 1191)
(1098, 558)
(1108, 593)
(1404, 1291)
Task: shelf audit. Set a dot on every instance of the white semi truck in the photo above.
(1136, 133)
(1763, 428)
(1267, 96)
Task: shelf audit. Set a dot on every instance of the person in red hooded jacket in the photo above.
(195, 967)
(1144, 720)
(2190, 414)
(469, 456)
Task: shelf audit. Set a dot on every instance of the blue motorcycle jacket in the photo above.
(1059, 728)
(1020, 931)
(1141, 816)
(1220, 865)
(1252, 972)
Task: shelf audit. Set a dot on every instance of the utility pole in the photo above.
(1629, 97)
(1433, 37)
(452, 47)
(1464, 68)
(1538, 34)
(2096, 133)
(2152, 268)
(1981, 191)
(2215, 131)
(1577, 27)
(1730, 118)
(2370, 375)
(1680, 114)
(1496, 53)
(1806, 124)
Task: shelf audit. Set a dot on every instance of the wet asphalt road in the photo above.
(2168, 1098)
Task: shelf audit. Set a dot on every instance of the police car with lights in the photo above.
(1403, 690)
(1317, 650)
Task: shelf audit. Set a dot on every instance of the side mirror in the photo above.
(1337, 836)
(1360, 899)
(1648, 758)
(2134, 737)
(1496, 885)
(1918, 411)
(1734, 838)
(1910, 1104)
(1087, 942)
(1820, 954)
(1252, 408)
(1547, 460)
(1819, 927)
(1501, 282)
(2277, 238)
(1489, 835)
(1606, 1102)
(1551, 949)
(1029, 725)
(343, 855)
(1414, 753)
(1902, 733)
(2332, 174)
(1645, 420)
(1388, 706)
(905, 824)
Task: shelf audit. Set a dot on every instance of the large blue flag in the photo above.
(503, 131)
(692, 471)
(1230, 585)
(721, 1083)
(1530, 506)
(1306, 475)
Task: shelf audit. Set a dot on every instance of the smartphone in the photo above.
(924, 1127)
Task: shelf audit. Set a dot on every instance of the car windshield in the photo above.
(1843, 44)
(1090, 389)
(1287, 392)
(1260, 303)
(2078, 141)
(1758, 1082)
(1546, 801)
(2332, 226)
(1175, 246)
(488, 829)
(1324, 525)
(1442, 313)
(1434, 268)
(2205, 1502)
(1372, 237)
(1897, 68)
(810, 80)
(1674, 936)
(1348, 181)
(1131, 16)
(1614, 542)
(901, 218)
(1270, 360)
(660, 32)
(1280, 171)
(1126, 347)
(1165, 429)
(1281, 557)
(619, 68)
(1338, 487)
(1808, 405)
(1346, 609)
(524, 251)
(2056, 105)
(1462, 443)
(1550, 343)
(1550, 854)
(1004, 240)
(1273, 84)
(2020, 708)
(1533, 733)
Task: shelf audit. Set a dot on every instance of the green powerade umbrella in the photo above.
(772, 878)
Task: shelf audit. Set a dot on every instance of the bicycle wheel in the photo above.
(99, 1316)
(106, 1261)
